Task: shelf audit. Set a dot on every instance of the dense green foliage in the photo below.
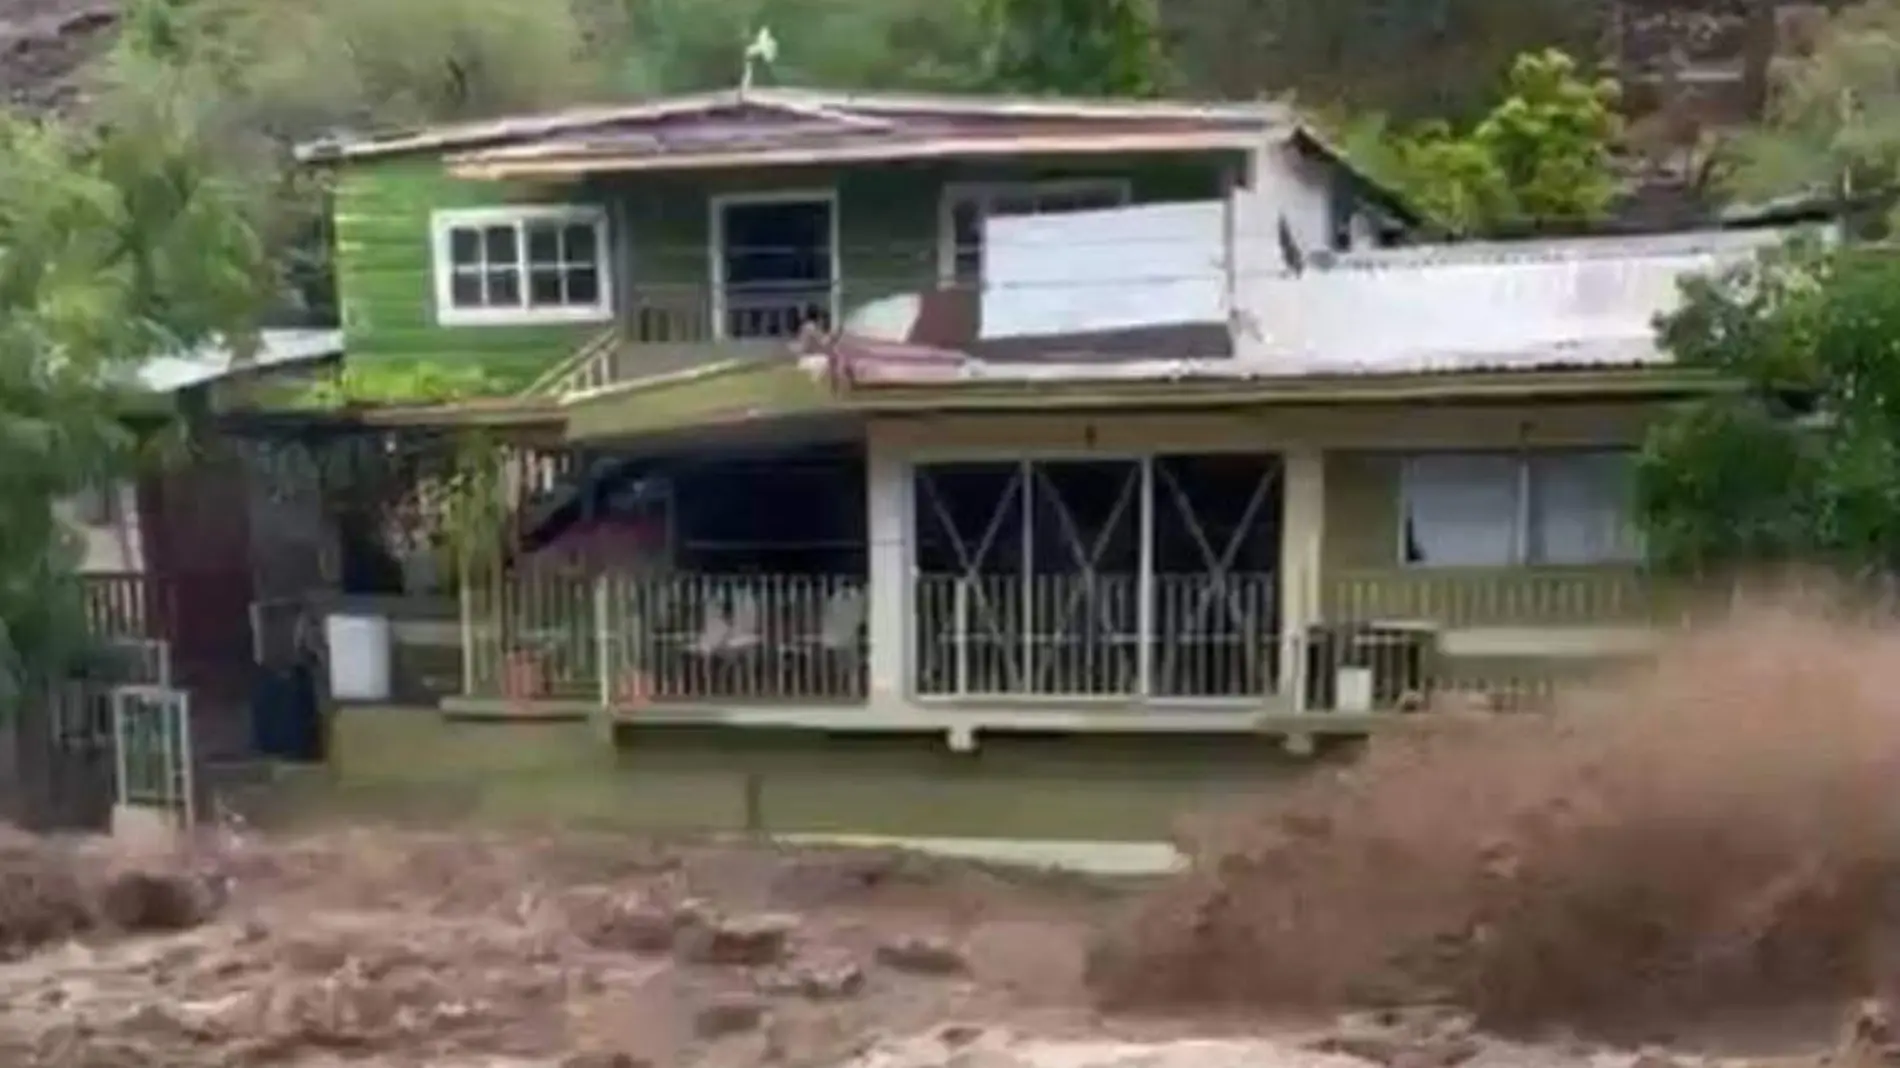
(1078, 47)
(115, 243)
(1803, 463)
(1541, 157)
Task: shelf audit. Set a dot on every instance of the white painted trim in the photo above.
(1266, 112)
(442, 223)
(1580, 642)
(625, 269)
(956, 191)
(953, 454)
(716, 206)
(1303, 493)
(1104, 858)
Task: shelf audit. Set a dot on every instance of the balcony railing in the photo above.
(1007, 637)
(1500, 636)
(1492, 597)
(118, 605)
(1387, 640)
(671, 329)
(631, 641)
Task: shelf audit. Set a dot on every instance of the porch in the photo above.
(1186, 591)
(790, 650)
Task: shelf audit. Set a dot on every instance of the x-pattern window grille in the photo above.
(1035, 579)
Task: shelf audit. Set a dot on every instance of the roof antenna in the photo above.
(763, 49)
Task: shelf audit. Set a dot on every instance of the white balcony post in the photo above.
(1301, 551)
(464, 591)
(887, 503)
(603, 641)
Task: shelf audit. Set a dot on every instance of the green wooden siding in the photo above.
(386, 280)
(888, 226)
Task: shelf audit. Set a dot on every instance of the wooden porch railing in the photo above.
(671, 329)
(119, 605)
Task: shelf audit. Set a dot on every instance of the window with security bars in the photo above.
(496, 265)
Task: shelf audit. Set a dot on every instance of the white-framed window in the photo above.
(530, 264)
(1495, 509)
(966, 205)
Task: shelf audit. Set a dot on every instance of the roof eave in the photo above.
(1308, 140)
(505, 164)
(473, 134)
(1652, 381)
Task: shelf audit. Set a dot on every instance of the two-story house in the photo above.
(970, 414)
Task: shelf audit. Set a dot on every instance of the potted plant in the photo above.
(633, 688)
(524, 674)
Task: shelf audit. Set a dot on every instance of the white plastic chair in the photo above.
(744, 631)
(715, 630)
(843, 619)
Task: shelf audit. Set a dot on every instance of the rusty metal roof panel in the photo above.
(895, 113)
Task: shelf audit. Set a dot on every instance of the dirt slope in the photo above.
(43, 44)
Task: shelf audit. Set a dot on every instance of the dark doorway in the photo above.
(775, 264)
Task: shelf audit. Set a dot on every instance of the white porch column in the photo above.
(1303, 523)
(887, 531)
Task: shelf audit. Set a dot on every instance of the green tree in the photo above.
(1551, 136)
(114, 245)
(1076, 47)
(1539, 159)
(1802, 462)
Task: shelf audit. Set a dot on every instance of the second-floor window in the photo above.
(966, 206)
(1498, 509)
(521, 264)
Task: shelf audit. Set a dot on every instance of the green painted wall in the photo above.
(386, 281)
(888, 225)
(410, 763)
(1362, 511)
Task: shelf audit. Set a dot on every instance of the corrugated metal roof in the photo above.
(871, 363)
(207, 363)
(837, 108)
(1573, 305)
(749, 132)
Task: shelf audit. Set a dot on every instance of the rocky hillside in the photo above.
(1689, 67)
(1707, 51)
(43, 45)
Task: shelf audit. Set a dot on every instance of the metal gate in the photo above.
(151, 730)
(63, 758)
